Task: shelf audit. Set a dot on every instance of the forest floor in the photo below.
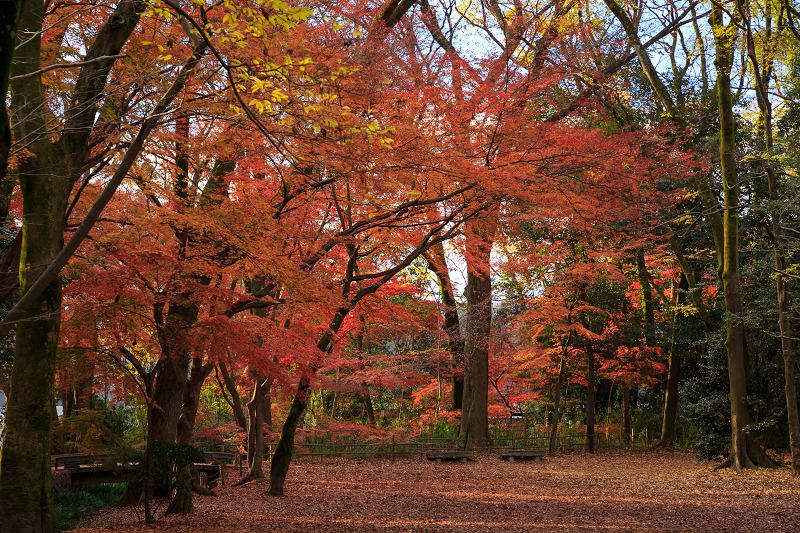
(613, 490)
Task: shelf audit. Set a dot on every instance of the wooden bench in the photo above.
(513, 455)
(462, 456)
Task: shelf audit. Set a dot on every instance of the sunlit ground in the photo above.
(610, 491)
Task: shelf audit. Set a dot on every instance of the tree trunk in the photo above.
(9, 16)
(474, 428)
(647, 297)
(170, 379)
(236, 400)
(368, 404)
(282, 457)
(266, 403)
(590, 403)
(255, 433)
(551, 446)
(452, 326)
(745, 452)
(763, 74)
(667, 439)
(191, 399)
(626, 411)
(69, 403)
(26, 489)
(173, 366)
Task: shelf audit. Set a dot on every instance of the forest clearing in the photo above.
(277, 228)
(613, 490)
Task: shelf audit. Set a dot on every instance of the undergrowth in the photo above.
(79, 502)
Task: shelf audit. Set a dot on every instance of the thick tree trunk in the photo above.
(745, 452)
(9, 16)
(170, 380)
(191, 399)
(172, 367)
(26, 489)
(474, 428)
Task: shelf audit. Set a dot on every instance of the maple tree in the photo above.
(286, 171)
(46, 208)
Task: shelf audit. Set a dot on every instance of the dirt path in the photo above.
(610, 491)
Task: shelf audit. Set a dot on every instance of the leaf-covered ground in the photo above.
(611, 491)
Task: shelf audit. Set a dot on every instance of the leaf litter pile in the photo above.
(614, 490)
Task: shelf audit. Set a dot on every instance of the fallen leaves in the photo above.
(614, 490)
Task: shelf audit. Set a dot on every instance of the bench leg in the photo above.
(438, 461)
(463, 459)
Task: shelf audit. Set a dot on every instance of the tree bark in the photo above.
(255, 433)
(745, 452)
(266, 403)
(282, 457)
(551, 445)
(9, 17)
(26, 489)
(365, 395)
(236, 400)
(474, 428)
(590, 403)
(763, 73)
(168, 391)
(626, 411)
(191, 399)
(647, 297)
(452, 326)
(667, 439)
